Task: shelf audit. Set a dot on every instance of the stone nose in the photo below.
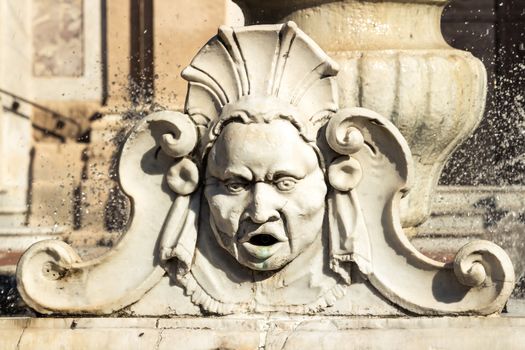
(264, 204)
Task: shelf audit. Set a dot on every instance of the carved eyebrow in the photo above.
(286, 173)
(240, 174)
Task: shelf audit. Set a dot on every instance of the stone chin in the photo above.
(260, 251)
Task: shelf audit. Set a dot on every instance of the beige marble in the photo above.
(67, 51)
(176, 38)
(118, 62)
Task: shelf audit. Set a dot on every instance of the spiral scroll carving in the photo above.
(51, 276)
(342, 135)
(181, 135)
(178, 141)
(484, 264)
(43, 267)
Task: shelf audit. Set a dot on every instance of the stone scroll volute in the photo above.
(264, 196)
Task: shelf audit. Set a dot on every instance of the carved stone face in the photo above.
(266, 193)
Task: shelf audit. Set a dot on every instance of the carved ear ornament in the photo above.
(282, 73)
(345, 138)
(178, 141)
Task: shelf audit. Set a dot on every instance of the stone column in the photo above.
(394, 60)
(3, 150)
(16, 133)
(15, 127)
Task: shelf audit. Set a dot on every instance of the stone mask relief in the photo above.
(264, 196)
(266, 193)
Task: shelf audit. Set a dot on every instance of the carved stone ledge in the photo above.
(263, 333)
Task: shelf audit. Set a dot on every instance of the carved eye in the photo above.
(285, 184)
(236, 187)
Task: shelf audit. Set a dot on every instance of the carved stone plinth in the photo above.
(394, 60)
(263, 333)
(265, 197)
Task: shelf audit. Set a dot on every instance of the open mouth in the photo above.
(262, 245)
(263, 240)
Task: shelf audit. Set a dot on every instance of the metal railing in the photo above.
(61, 120)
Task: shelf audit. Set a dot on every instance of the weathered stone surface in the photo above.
(272, 332)
(359, 301)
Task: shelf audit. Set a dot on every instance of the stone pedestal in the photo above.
(395, 61)
(232, 214)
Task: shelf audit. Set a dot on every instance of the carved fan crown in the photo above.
(261, 72)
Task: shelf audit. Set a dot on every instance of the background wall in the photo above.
(493, 31)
